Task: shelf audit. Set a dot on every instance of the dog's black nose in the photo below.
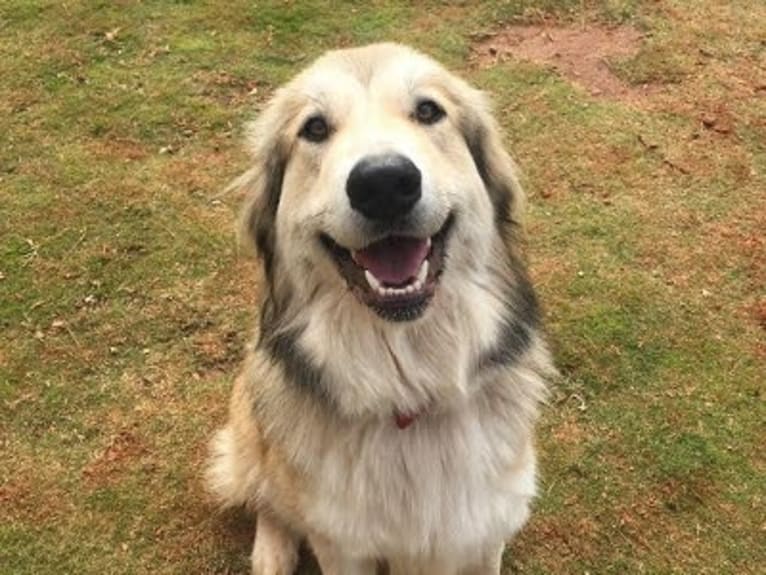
(384, 187)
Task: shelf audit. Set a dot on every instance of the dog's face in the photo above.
(380, 174)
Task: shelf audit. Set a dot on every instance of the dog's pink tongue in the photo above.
(393, 260)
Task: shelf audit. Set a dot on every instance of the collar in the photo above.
(404, 420)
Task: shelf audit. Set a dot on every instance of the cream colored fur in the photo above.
(442, 496)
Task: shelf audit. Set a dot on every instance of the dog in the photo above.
(385, 412)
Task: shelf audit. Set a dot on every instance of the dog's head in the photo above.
(378, 173)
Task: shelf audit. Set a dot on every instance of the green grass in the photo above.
(125, 305)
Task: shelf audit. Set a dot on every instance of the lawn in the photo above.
(125, 303)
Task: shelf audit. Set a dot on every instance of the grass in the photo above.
(125, 306)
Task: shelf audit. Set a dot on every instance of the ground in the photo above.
(125, 303)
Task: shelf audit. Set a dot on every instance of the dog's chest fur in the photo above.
(461, 475)
(436, 488)
(454, 479)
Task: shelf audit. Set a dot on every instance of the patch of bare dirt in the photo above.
(579, 53)
(226, 88)
(216, 351)
(561, 540)
(27, 497)
(568, 432)
(125, 149)
(759, 311)
(121, 450)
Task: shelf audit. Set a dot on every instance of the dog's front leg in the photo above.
(333, 561)
(275, 550)
(486, 561)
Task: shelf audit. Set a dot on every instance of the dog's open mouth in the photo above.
(395, 276)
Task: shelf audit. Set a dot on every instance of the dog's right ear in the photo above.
(261, 185)
(495, 166)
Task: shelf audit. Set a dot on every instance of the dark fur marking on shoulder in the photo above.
(522, 318)
(283, 348)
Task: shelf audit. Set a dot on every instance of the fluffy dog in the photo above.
(386, 411)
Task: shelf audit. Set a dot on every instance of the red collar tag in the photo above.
(404, 420)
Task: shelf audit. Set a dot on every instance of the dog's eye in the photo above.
(429, 112)
(315, 129)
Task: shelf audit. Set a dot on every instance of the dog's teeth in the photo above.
(372, 280)
(376, 286)
(422, 273)
(428, 243)
(383, 291)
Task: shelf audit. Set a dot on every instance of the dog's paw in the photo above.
(275, 551)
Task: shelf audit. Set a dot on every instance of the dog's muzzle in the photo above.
(397, 274)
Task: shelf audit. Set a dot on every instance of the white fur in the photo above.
(438, 489)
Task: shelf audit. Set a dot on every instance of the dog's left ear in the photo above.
(495, 166)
